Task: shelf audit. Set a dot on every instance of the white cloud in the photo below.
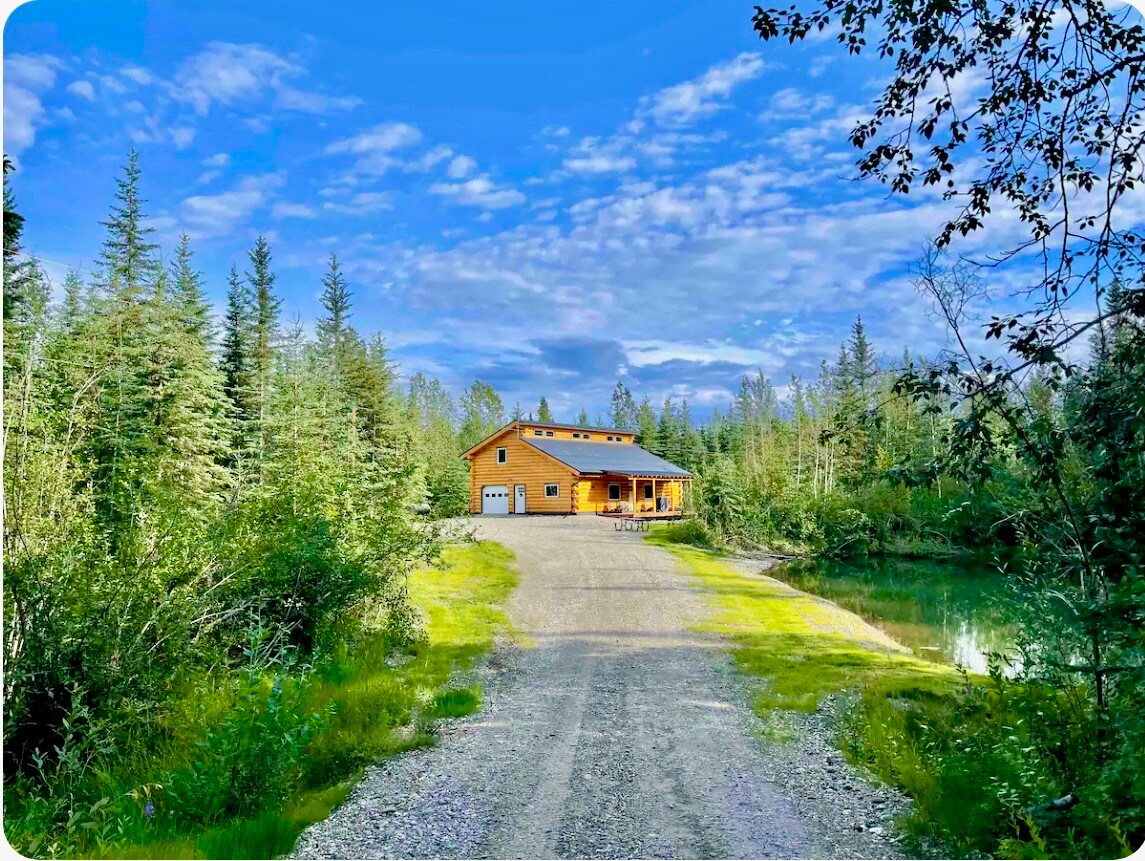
(83, 89)
(479, 191)
(208, 176)
(599, 163)
(382, 138)
(26, 78)
(461, 166)
(293, 210)
(790, 102)
(362, 203)
(376, 146)
(226, 73)
(137, 74)
(219, 159)
(182, 136)
(685, 103)
(222, 214)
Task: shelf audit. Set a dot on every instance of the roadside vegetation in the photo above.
(213, 611)
(984, 758)
(244, 759)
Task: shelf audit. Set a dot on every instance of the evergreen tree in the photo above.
(14, 273)
(266, 305)
(863, 365)
(187, 293)
(544, 414)
(582, 418)
(622, 410)
(332, 328)
(237, 361)
(646, 434)
(128, 261)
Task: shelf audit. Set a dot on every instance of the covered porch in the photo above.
(644, 497)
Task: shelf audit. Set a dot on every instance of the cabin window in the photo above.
(548, 433)
(552, 490)
(576, 435)
(588, 436)
(609, 439)
(502, 455)
(648, 491)
(538, 433)
(613, 492)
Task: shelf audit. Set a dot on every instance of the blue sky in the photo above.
(547, 197)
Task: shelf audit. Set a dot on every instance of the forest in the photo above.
(213, 522)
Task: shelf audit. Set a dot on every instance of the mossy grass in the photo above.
(374, 700)
(802, 646)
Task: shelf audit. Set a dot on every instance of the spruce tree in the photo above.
(128, 261)
(237, 360)
(187, 294)
(267, 305)
(646, 425)
(332, 329)
(622, 409)
(582, 418)
(544, 414)
(14, 273)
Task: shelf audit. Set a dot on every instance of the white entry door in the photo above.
(495, 499)
(519, 499)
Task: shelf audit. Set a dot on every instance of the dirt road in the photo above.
(616, 732)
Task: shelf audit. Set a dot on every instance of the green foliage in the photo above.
(161, 503)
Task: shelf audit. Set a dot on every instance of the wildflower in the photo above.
(149, 810)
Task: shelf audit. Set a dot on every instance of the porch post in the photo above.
(655, 504)
(634, 495)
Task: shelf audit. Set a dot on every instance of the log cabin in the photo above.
(532, 467)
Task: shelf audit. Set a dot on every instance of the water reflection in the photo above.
(944, 612)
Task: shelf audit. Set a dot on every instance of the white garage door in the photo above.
(495, 499)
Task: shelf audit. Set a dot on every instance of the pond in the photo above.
(943, 611)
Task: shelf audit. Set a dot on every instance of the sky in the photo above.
(546, 197)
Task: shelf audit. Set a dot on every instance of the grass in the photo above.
(803, 647)
(978, 755)
(365, 704)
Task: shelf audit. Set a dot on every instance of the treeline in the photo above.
(190, 511)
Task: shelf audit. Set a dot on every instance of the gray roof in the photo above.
(602, 457)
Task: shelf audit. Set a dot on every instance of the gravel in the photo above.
(614, 731)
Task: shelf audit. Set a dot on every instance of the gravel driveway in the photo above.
(615, 732)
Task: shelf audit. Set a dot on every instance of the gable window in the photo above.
(552, 490)
(613, 491)
(538, 433)
(502, 455)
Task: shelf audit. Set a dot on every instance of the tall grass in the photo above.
(249, 760)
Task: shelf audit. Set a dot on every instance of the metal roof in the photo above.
(601, 457)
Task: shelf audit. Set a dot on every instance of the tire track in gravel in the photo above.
(617, 732)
